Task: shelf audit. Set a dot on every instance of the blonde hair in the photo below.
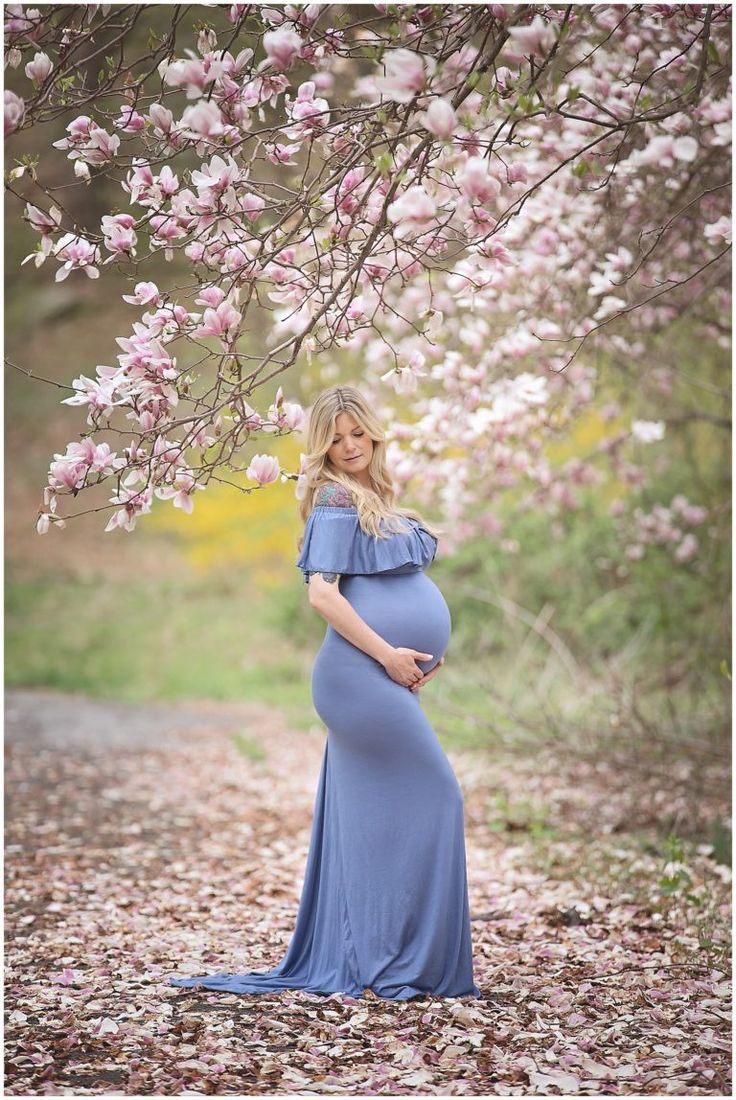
(374, 504)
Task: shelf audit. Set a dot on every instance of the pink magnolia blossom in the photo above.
(685, 148)
(495, 250)
(161, 117)
(78, 131)
(210, 296)
(192, 74)
(41, 221)
(69, 471)
(203, 120)
(663, 150)
(120, 236)
(348, 196)
(274, 16)
(18, 21)
(377, 267)
(76, 252)
(145, 294)
(411, 210)
(504, 79)
(206, 40)
(38, 69)
(89, 142)
(306, 111)
(252, 205)
(282, 47)
(166, 183)
(98, 394)
(690, 513)
(222, 321)
(250, 418)
(166, 230)
(404, 377)
(15, 110)
(129, 121)
(720, 230)
(139, 181)
(439, 118)
(687, 549)
(476, 182)
(281, 154)
(44, 250)
(102, 146)
(356, 311)
(263, 469)
(235, 67)
(304, 15)
(286, 414)
(217, 176)
(535, 38)
(406, 74)
(694, 514)
(136, 502)
(181, 492)
(609, 305)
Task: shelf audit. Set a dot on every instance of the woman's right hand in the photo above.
(401, 665)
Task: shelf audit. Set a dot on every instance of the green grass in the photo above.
(152, 640)
(249, 747)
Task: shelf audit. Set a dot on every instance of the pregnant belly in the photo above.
(407, 609)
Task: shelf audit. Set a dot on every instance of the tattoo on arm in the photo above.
(329, 577)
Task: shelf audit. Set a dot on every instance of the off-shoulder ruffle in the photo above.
(334, 542)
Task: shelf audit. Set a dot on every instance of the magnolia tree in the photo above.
(470, 199)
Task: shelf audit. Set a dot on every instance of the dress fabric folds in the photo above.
(384, 904)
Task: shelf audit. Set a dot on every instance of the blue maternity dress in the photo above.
(384, 905)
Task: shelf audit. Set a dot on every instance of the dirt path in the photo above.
(144, 841)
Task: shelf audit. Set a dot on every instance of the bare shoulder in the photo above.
(332, 495)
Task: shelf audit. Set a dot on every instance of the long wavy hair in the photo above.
(375, 504)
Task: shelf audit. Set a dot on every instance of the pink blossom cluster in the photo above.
(478, 251)
(665, 526)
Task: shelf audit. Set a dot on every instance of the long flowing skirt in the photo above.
(384, 905)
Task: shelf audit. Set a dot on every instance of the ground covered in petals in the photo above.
(148, 841)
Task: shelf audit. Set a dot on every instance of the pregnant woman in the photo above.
(384, 904)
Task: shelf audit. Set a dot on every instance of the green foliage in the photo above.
(713, 54)
(152, 640)
(249, 747)
(676, 878)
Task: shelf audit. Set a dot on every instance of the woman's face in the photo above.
(351, 448)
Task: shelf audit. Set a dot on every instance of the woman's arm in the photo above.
(326, 598)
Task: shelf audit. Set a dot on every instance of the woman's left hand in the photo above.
(428, 675)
